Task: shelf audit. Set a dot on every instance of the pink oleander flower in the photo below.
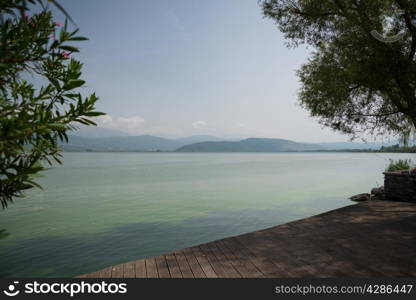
(65, 54)
(57, 24)
(26, 15)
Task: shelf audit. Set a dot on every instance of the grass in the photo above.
(399, 165)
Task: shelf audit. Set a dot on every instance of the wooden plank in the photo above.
(162, 267)
(222, 258)
(175, 271)
(287, 263)
(243, 265)
(129, 270)
(361, 261)
(105, 273)
(194, 264)
(348, 242)
(220, 267)
(140, 268)
(183, 265)
(151, 268)
(203, 262)
(93, 275)
(288, 250)
(264, 265)
(343, 264)
(117, 271)
(243, 255)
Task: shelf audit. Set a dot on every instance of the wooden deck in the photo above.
(372, 239)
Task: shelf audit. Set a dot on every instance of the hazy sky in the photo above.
(189, 67)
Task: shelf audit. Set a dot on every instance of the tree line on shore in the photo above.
(398, 148)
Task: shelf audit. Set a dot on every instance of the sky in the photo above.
(175, 68)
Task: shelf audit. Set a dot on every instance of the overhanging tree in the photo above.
(39, 96)
(361, 76)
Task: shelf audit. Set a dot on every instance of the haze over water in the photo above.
(101, 209)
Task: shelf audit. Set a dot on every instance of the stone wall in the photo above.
(400, 186)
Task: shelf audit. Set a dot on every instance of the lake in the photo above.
(101, 209)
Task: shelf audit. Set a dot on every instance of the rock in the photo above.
(361, 197)
(377, 193)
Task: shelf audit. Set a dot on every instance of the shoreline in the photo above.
(369, 239)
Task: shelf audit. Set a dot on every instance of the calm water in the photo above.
(101, 209)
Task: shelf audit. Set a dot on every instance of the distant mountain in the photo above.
(198, 139)
(103, 141)
(250, 145)
(120, 143)
(128, 143)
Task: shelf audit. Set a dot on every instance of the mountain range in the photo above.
(102, 142)
(130, 143)
(251, 145)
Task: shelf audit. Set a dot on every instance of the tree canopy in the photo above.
(39, 92)
(361, 75)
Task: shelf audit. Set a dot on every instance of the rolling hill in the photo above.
(129, 143)
(250, 145)
(120, 143)
(202, 143)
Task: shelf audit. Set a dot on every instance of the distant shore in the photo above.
(214, 144)
(312, 151)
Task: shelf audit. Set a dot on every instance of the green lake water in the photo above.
(101, 209)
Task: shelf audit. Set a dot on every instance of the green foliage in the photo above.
(399, 165)
(398, 148)
(354, 82)
(39, 100)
